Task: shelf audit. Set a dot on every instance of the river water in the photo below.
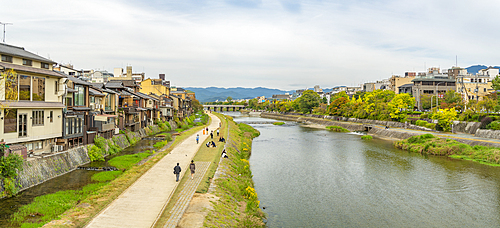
(308, 177)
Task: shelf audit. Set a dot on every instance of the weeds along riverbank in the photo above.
(431, 145)
(75, 208)
(238, 204)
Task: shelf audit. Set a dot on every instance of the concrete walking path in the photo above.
(186, 195)
(143, 201)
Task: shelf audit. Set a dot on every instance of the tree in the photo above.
(229, 99)
(308, 101)
(495, 83)
(399, 106)
(337, 105)
(196, 105)
(445, 118)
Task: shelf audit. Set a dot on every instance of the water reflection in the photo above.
(317, 178)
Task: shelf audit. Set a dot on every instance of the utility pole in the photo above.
(4, 24)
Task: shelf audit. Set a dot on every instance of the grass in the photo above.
(337, 129)
(278, 123)
(367, 137)
(429, 144)
(103, 196)
(106, 176)
(127, 161)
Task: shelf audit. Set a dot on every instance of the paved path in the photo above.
(142, 202)
(186, 195)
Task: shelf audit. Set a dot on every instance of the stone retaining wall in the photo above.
(37, 171)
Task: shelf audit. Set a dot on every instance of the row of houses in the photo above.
(47, 108)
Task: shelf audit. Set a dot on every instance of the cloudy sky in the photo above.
(250, 43)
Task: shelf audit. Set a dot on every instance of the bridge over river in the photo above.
(224, 107)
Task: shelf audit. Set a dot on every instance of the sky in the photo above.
(258, 43)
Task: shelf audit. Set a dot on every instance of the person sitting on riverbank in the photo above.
(222, 139)
(213, 144)
(224, 155)
(208, 144)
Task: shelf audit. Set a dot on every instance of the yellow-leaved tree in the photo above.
(400, 105)
(445, 118)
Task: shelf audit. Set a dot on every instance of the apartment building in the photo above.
(31, 100)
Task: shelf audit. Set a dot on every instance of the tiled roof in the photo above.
(20, 52)
(114, 84)
(94, 92)
(75, 80)
(22, 68)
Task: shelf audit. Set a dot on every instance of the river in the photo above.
(308, 177)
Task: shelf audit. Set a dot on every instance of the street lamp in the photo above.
(437, 97)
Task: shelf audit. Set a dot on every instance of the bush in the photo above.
(95, 154)
(431, 126)
(337, 129)
(485, 121)
(495, 125)
(366, 137)
(424, 116)
(421, 123)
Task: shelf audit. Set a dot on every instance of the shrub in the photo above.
(95, 154)
(337, 129)
(485, 121)
(431, 126)
(424, 116)
(366, 137)
(421, 123)
(495, 125)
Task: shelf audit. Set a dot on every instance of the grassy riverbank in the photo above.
(429, 144)
(238, 205)
(74, 208)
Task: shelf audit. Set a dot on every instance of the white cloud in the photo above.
(258, 43)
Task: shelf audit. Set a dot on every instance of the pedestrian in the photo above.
(192, 167)
(207, 130)
(177, 171)
(203, 131)
(212, 135)
(217, 132)
(197, 138)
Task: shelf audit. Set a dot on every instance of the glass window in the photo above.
(38, 118)
(44, 65)
(67, 126)
(38, 89)
(6, 58)
(79, 96)
(11, 93)
(24, 87)
(27, 62)
(69, 101)
(10, 120)
(51, 116)
(56, 87)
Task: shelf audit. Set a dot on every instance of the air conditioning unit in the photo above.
(61, 147)
(92, 106)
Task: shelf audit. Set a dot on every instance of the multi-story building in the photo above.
(475, 87)
(99, 76)
(369, 87)
(128, 75)
(432, 83)
(155, 86)
(31, 100)
(396, 81)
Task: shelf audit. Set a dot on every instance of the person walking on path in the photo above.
(197, 138)
(177, 171)
(203, 131)
(212, 135)
(192, 167)
(217, 132)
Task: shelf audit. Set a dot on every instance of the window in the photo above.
(38, 118)
(11, 90)
(29, 146)
(79, 96)
(6, 58)
(24, 88)
(71, 73)
(51, 116)
(69, 101)
(27, 62)
(44, 65)
(56, 86)
(484, 89)
(10, 120)
(38, 91)
(38, 145)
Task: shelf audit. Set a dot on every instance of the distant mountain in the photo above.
(476, 68)
(211, 94)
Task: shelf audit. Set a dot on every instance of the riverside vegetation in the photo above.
(238, 204)
(79, 206)
(429, 144)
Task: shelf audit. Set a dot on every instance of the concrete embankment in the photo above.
(391, 134)
(39, 170)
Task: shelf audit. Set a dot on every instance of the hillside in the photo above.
(210, 94)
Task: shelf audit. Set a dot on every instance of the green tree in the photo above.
(400, 105)
(308, 101)
(229, 99)
(495, 83)
(196, 105)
